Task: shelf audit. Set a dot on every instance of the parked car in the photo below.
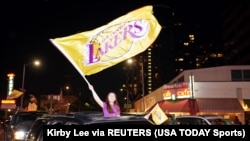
(16, 128)
(201, 120)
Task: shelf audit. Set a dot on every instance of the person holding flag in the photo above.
(95, 50)
(110, 106)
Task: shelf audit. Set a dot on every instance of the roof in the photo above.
(224, 105)
(210, 74)
(175, 106)
(96, 117)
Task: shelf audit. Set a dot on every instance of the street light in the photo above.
(36, 63)
(129, 61)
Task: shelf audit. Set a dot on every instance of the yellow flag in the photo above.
(156, 115)
(95, 50)
(15, 94)
(32, 107)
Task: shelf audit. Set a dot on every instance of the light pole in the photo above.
(142, 82)
(36, 63)
(130, 62)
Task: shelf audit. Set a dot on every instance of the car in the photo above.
(81, 118)
(201, 120)
(35, 132)
(17, 127)
(122, 120)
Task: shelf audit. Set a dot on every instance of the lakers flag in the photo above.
(15, 94)
(32, 107)
(95, 50)
(156, 115)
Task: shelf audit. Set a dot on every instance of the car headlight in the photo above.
(20, 135)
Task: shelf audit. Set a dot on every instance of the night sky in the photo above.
(27, 26)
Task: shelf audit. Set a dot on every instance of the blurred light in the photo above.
(67, 87)
(185, 43)
(19, 135)
(10, 82)
(180, 59)
(173, 97)
(130, 61)
(37, 63)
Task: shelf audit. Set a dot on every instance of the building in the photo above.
(222, 90)
(235, 28)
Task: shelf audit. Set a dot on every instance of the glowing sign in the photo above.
(8, 101)
(8, 104)
(177, 90)
(10, 82)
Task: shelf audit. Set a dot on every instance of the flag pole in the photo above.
(84, 78)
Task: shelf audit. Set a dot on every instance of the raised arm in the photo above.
(95, 95)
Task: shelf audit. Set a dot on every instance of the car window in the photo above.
(204, 122)
(40, 136)
(55, 123)
(200, 121)
(36, 128)
(184, 121)
(71, 123)
(218, 121)
(191, 121)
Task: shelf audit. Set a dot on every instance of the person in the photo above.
(247, 122)
(237, 121)
(110, 106)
